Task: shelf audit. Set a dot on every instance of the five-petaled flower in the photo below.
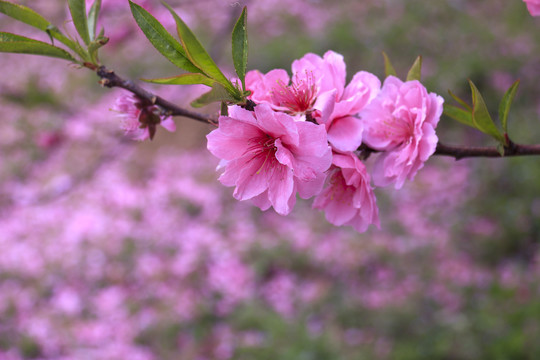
(269, 157)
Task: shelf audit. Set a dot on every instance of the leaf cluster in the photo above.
(478, 116)
(85, 23)
(189, 55)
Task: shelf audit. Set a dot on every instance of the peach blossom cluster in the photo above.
(308, 132)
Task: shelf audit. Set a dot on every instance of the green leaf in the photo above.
(504, 106)
(461, 101)
(23, 14)
(415, 72)
(12, 43)
(93, 15)
(459, 114)
(184, 79)
(388, 68)
(218, 93)
(480, 115)
(500, 149)
(240, 47)
(28, 16)
(9, 37)
(77, 8)
(161, 39)
(198, 55)
(94, 46)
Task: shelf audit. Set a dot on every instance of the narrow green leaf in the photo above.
(44, 48)
(28, 16)
(9, 37)
(504, 106)
(161, 39)
(240, 47)
(20, 45)
(198, 55)
(23, 14)
(388, 68)
(77, 8)
(461, 101)
(415, 72)
(459, 114)
(184, 79)
(218, 93)
(480, 115)
(93, 15)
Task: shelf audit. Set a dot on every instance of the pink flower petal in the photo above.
(348, 198)
(168, 124)
(232, 139)
(345, 134)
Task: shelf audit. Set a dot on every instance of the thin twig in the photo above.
(110, 79)
(460, 152)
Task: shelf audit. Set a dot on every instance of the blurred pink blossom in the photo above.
(279, 293)
(233, 280)
(269, 156)
(401, 121)
(533, 6)
(140, 118)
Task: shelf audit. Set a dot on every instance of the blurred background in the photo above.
(115, 249)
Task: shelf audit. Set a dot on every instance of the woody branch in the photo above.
(110, 79)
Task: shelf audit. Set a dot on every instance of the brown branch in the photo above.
(460, 152)
(110, 79)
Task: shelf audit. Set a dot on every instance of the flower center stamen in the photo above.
(297, 97)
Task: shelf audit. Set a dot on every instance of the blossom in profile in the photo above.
(533, 6)
(401, 121)
(140, 117)
(317, 92)
(269, 157)
(348, 198)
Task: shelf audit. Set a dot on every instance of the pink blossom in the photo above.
(533, 6)
(294, 96)
(139, 117)
(401, 121)
(317, 92)
(337, 104)
(268, 156)
(348, 198)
